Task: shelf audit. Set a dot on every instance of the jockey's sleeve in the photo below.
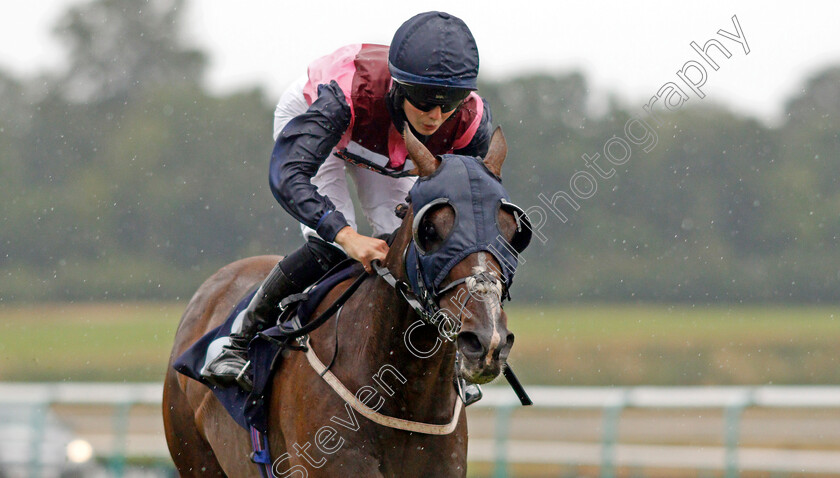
(480, 142)
(302, 146)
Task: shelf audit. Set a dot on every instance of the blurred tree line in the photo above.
(124, 178)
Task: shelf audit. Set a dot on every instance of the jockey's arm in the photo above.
(301, 148)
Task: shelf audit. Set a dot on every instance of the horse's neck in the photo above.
(399, 350)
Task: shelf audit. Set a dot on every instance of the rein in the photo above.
(425, 307)
(324, 316)
(300, 334)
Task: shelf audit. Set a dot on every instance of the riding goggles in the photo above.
(425, 98)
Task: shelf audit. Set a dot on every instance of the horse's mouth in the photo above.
(477, 364)
(480, 372)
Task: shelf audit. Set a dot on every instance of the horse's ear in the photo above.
(420, 155)
(497, 152)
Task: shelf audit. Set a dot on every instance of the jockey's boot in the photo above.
(291, 275)
(231, 366)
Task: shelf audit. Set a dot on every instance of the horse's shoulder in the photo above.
(334, 293)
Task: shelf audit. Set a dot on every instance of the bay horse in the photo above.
(404, 367)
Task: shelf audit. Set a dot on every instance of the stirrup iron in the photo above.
(243, 380)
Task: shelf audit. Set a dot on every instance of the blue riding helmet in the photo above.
(476, 195)
(434, 49)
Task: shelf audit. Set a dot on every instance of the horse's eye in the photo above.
(427, 234)
(429, 231)
(435, 224)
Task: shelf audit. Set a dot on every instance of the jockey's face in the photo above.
(425, 122)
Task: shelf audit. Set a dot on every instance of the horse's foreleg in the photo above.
(308, 462)
(192, 455)
(231, 443)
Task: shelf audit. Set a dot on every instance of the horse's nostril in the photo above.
(504, 350)
(470, 345)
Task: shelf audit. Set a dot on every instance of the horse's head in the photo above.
(461, 239)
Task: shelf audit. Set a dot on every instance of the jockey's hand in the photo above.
(362, 248)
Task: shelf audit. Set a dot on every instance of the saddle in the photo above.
(267, 348)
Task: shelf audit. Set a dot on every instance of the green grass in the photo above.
(676, 345)
(664, 322)
(111, 342)
(570, 345)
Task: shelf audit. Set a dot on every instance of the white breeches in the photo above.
(378, 194)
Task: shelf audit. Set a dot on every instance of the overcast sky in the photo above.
(627, 48)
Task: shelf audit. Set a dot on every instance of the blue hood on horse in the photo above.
(476, 195)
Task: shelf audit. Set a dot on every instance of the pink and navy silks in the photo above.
(348, 96)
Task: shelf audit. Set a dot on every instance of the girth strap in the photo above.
(261, 456)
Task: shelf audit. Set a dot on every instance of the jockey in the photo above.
(351, 107)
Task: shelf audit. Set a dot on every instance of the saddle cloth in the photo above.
(264, 352)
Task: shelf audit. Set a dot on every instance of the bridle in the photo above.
(426, 305)
(426, 302)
